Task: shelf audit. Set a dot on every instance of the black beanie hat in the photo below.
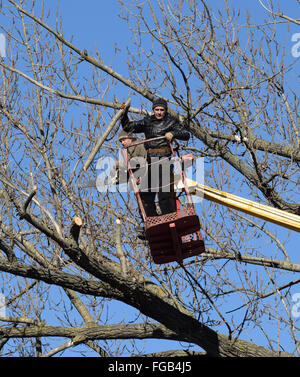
(160, 102)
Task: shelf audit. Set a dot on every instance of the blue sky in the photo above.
(99, 21)
(95, 22)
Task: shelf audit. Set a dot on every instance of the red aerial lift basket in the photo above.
(174, 236)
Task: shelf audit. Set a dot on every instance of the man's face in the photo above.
(126, 142)
(159, 112)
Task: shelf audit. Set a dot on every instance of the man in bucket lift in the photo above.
(161, 123)
(136, 154)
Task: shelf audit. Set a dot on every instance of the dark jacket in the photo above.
(153, 127)
(136, 151)
(137, 157)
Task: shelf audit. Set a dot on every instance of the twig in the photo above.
(295, 21)
(60, 348)
(21, 319)
(85, 99)
(17, 188)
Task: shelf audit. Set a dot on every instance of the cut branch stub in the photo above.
(75, 227)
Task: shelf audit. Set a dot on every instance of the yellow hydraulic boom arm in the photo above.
(268, 213)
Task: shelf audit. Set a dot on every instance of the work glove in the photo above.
(124, 118)
(169, 136)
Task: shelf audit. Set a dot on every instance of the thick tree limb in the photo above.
(137, 295)
(95, 332)
(62, 279)
(266, 262)
(262, 145)
(101, 140)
